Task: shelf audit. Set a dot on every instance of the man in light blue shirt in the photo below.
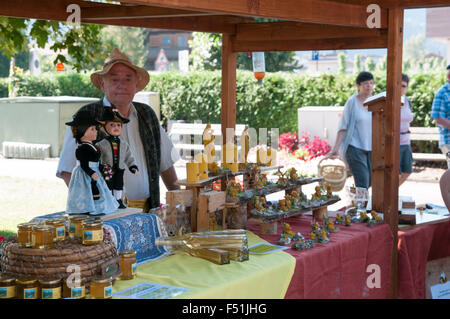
(440, 112)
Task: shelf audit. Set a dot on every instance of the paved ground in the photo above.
(422, 186)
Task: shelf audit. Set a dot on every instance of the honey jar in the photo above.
(73, 289)
(101, 288)
(27, 288)
(59, 225)
(75, 225)
(42, 236)
(7, 286)
(127, 264)
(25, 234)
(50, 288)
(92, 232)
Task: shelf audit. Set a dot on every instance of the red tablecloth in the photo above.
(338, 269)
(416, 246)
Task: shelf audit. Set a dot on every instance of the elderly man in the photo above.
(152, 149)
(440, 112)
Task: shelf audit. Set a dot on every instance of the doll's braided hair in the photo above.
(79, 131)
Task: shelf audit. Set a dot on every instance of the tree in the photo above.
(342, 63)
(357, 64)
(119, 37)
(370, 65)
(81, 42)
(206, 54)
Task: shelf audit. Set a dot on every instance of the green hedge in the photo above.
(197, 95)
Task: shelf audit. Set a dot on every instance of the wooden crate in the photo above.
(208, 202)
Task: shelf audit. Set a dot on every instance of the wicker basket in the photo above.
(53, 263)
(333, 174)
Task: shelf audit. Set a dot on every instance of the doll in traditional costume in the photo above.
(88, 192)
(116, 153)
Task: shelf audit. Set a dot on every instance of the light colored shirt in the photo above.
(135, 185)
(348, 124)
(441, 109)
(406, 117)
(362, 136)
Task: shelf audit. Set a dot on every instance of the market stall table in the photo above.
(339, 268)
(416, 246)
(262, 276)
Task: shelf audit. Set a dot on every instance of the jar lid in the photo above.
(55, 220)
(50, 281)
(26, 225)
(93, 222)
(78, 217)
(7, 278)
(102, 280)
(82, 280)
(43, 228)
(127, 253)
(26, 280)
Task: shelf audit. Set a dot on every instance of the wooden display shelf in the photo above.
(268, 225)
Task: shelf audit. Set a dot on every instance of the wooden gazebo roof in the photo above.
(297, 25)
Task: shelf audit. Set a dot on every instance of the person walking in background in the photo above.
(440, 112)
(354, 138)
(406, 117)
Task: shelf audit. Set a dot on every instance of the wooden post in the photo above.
(228, 115)
(392, 141)
(229, 60)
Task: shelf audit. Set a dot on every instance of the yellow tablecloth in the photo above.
(262, 276)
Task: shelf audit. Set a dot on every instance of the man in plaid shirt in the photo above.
(440, 112)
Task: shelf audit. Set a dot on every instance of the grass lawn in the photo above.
(22, 199)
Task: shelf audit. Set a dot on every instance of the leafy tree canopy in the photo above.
(81, 42)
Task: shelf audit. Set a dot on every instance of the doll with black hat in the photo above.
(115, 152)
(88, 192)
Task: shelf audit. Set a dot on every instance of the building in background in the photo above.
(171, 42)
(438, 26)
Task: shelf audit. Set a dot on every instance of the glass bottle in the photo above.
(42, 236)
(127, 264)
(217, 256)
(59, 225)
(25, 234)
(7, 286)
(216, 239)
(101, 288)
(50, 288)
(27, 288)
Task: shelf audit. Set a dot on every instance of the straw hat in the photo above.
(118, 57)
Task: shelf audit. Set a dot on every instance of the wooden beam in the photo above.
(212, 24)
(229, 64)
(58, 12)
(405, 4)
(105, 11)
(375, 42)
(298, 30)
(392, 144)
(315, 11)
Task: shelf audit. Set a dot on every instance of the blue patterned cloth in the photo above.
(79, 198)
(136, 232)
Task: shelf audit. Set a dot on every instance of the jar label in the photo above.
(7, 292)
(133, 268)
(77, 292)
(108, 291)
(51, 293)
(72, 229)
(29, 293)
(92, 236)
(61, 232)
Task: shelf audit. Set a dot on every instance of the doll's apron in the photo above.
(79, 199)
